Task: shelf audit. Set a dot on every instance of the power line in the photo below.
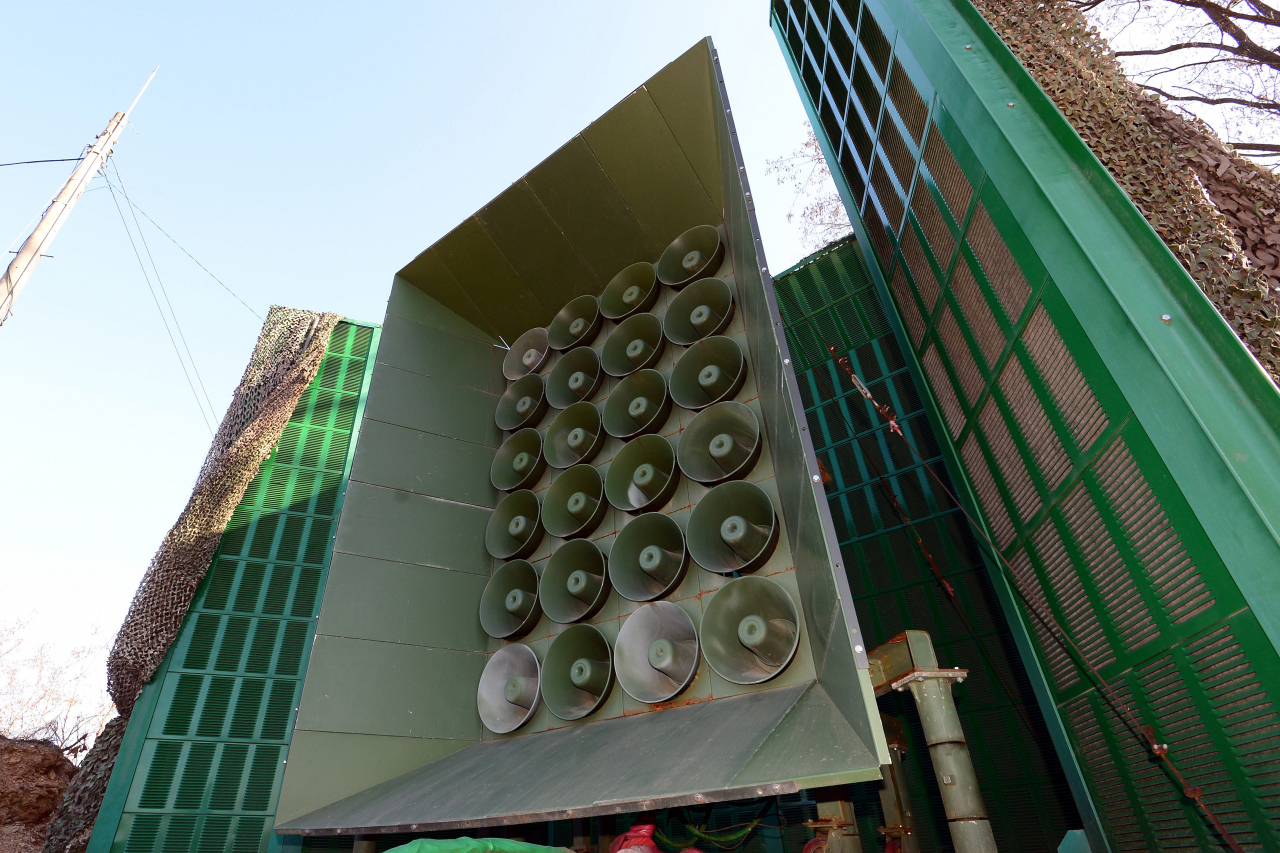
(26, 162)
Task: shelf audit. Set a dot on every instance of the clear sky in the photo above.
(303, 153)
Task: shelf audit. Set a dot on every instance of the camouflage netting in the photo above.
(72, 823)
(1214, 209)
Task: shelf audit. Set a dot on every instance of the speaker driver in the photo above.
(648, 559)
(575, 378)
(519, 462)
(711, 370)
(515, 527)
(750, 630)
(722, 442)
(527, 355)
(575, 504)
(575, 582)
(643, 475)
(509, 605)
(640, 404)
(577, 673)
(693, 255)
(576, 435)
(635, 344)
(656, 656)
(702, 309)
(576, 324)
(631, 291)
(508, 694)
(733, 528)
(523, 403)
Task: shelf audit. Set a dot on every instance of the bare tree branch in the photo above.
(1269, 106)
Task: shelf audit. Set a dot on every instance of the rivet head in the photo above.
(816, 478)
(1009, 105)
(858, 649)
(968, 47)
(786, 361)
(1165, 318)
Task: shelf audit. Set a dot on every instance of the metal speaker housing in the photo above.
(575, 504)
(711, 370)
(750, 630)
(527, 355)
(575, 435)
(734, 528)
(631, 291)
(575, 582)
(523, 403)
(577, 323)
(515, 527)
(635, 344)
(694, 255)
(519, 462)
(648, 558)
(639, 405)
(643, 475)
(702, 309)
(509, 605)
(575, 378)
(577, 673)
(721, 443)
(656, 656)
(512, 673)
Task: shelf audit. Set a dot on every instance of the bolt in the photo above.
(1165, 318)
(968, 47)
(816, 478)
(858, 649)
(786, 361)
(1009, 105)
(777, 788)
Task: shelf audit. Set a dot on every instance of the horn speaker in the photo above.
(733, 528)
(643, 475)
(575, 377)
(575, 504)
(722, 442)
(648, 559)
(519, 462)
(656, 656)
(577, 672)
(515, 528)
(576, 324)
(711, 370)
(702, 309)
(640, 404)
(527, 355)
(576, 435)
(509, 605)
(522, 404)
(636, 344)
(575, 582)
(508, 694)
(631, 291)
(750, 630)
(693, 255)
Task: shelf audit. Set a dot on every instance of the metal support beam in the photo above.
(895, 802)
(836, 823)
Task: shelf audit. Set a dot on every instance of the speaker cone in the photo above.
(721, 443)
(577, 673)
(527, 355)
(519, 462)
(643, 475)
(702, 309)
(523, 403)
(631, 291)
(693, 255)
(576, 435)
(733, 528)
(575, 378)
(656, 656)
(711, 370)
(509, 605)
(750, 630)
(575, 582)
(515, 527)
(575, 504)
(576, 324)
(640, 404)
(648, 559)
(508, 694)
(635, 344)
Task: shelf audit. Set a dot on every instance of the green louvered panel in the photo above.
(210, 766)
(831, 299)
(1070, 487)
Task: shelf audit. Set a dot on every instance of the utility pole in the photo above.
(24, 263)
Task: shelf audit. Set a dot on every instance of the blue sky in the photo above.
(303, 153)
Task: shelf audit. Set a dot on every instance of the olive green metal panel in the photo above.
(410, 303)
(393, 525)
(489, 280)
(454, 358)
(685, 93)
(433, 405)
(429, 274)
(426, 464)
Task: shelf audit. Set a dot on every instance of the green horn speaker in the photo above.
(576, 324)
(702, 309)
(576, 435)
(636, 344)
(648, 559)
(640, 404)
(527, 355)
(711, 370)
(721, 443)
(523, 403)
(643, 475)
(656, 656)
(508, 694)
(509, 605)
(631, 291)
(575, 582)
(575, 504)
(733, 528)
(519, 462)
(750, 630)
(577, 672)
(575, 377)
(515, 527)
(693, 255)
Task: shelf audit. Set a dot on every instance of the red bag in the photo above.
(638, 837)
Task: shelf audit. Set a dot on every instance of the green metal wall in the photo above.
(205, 748)
(1124, 466)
